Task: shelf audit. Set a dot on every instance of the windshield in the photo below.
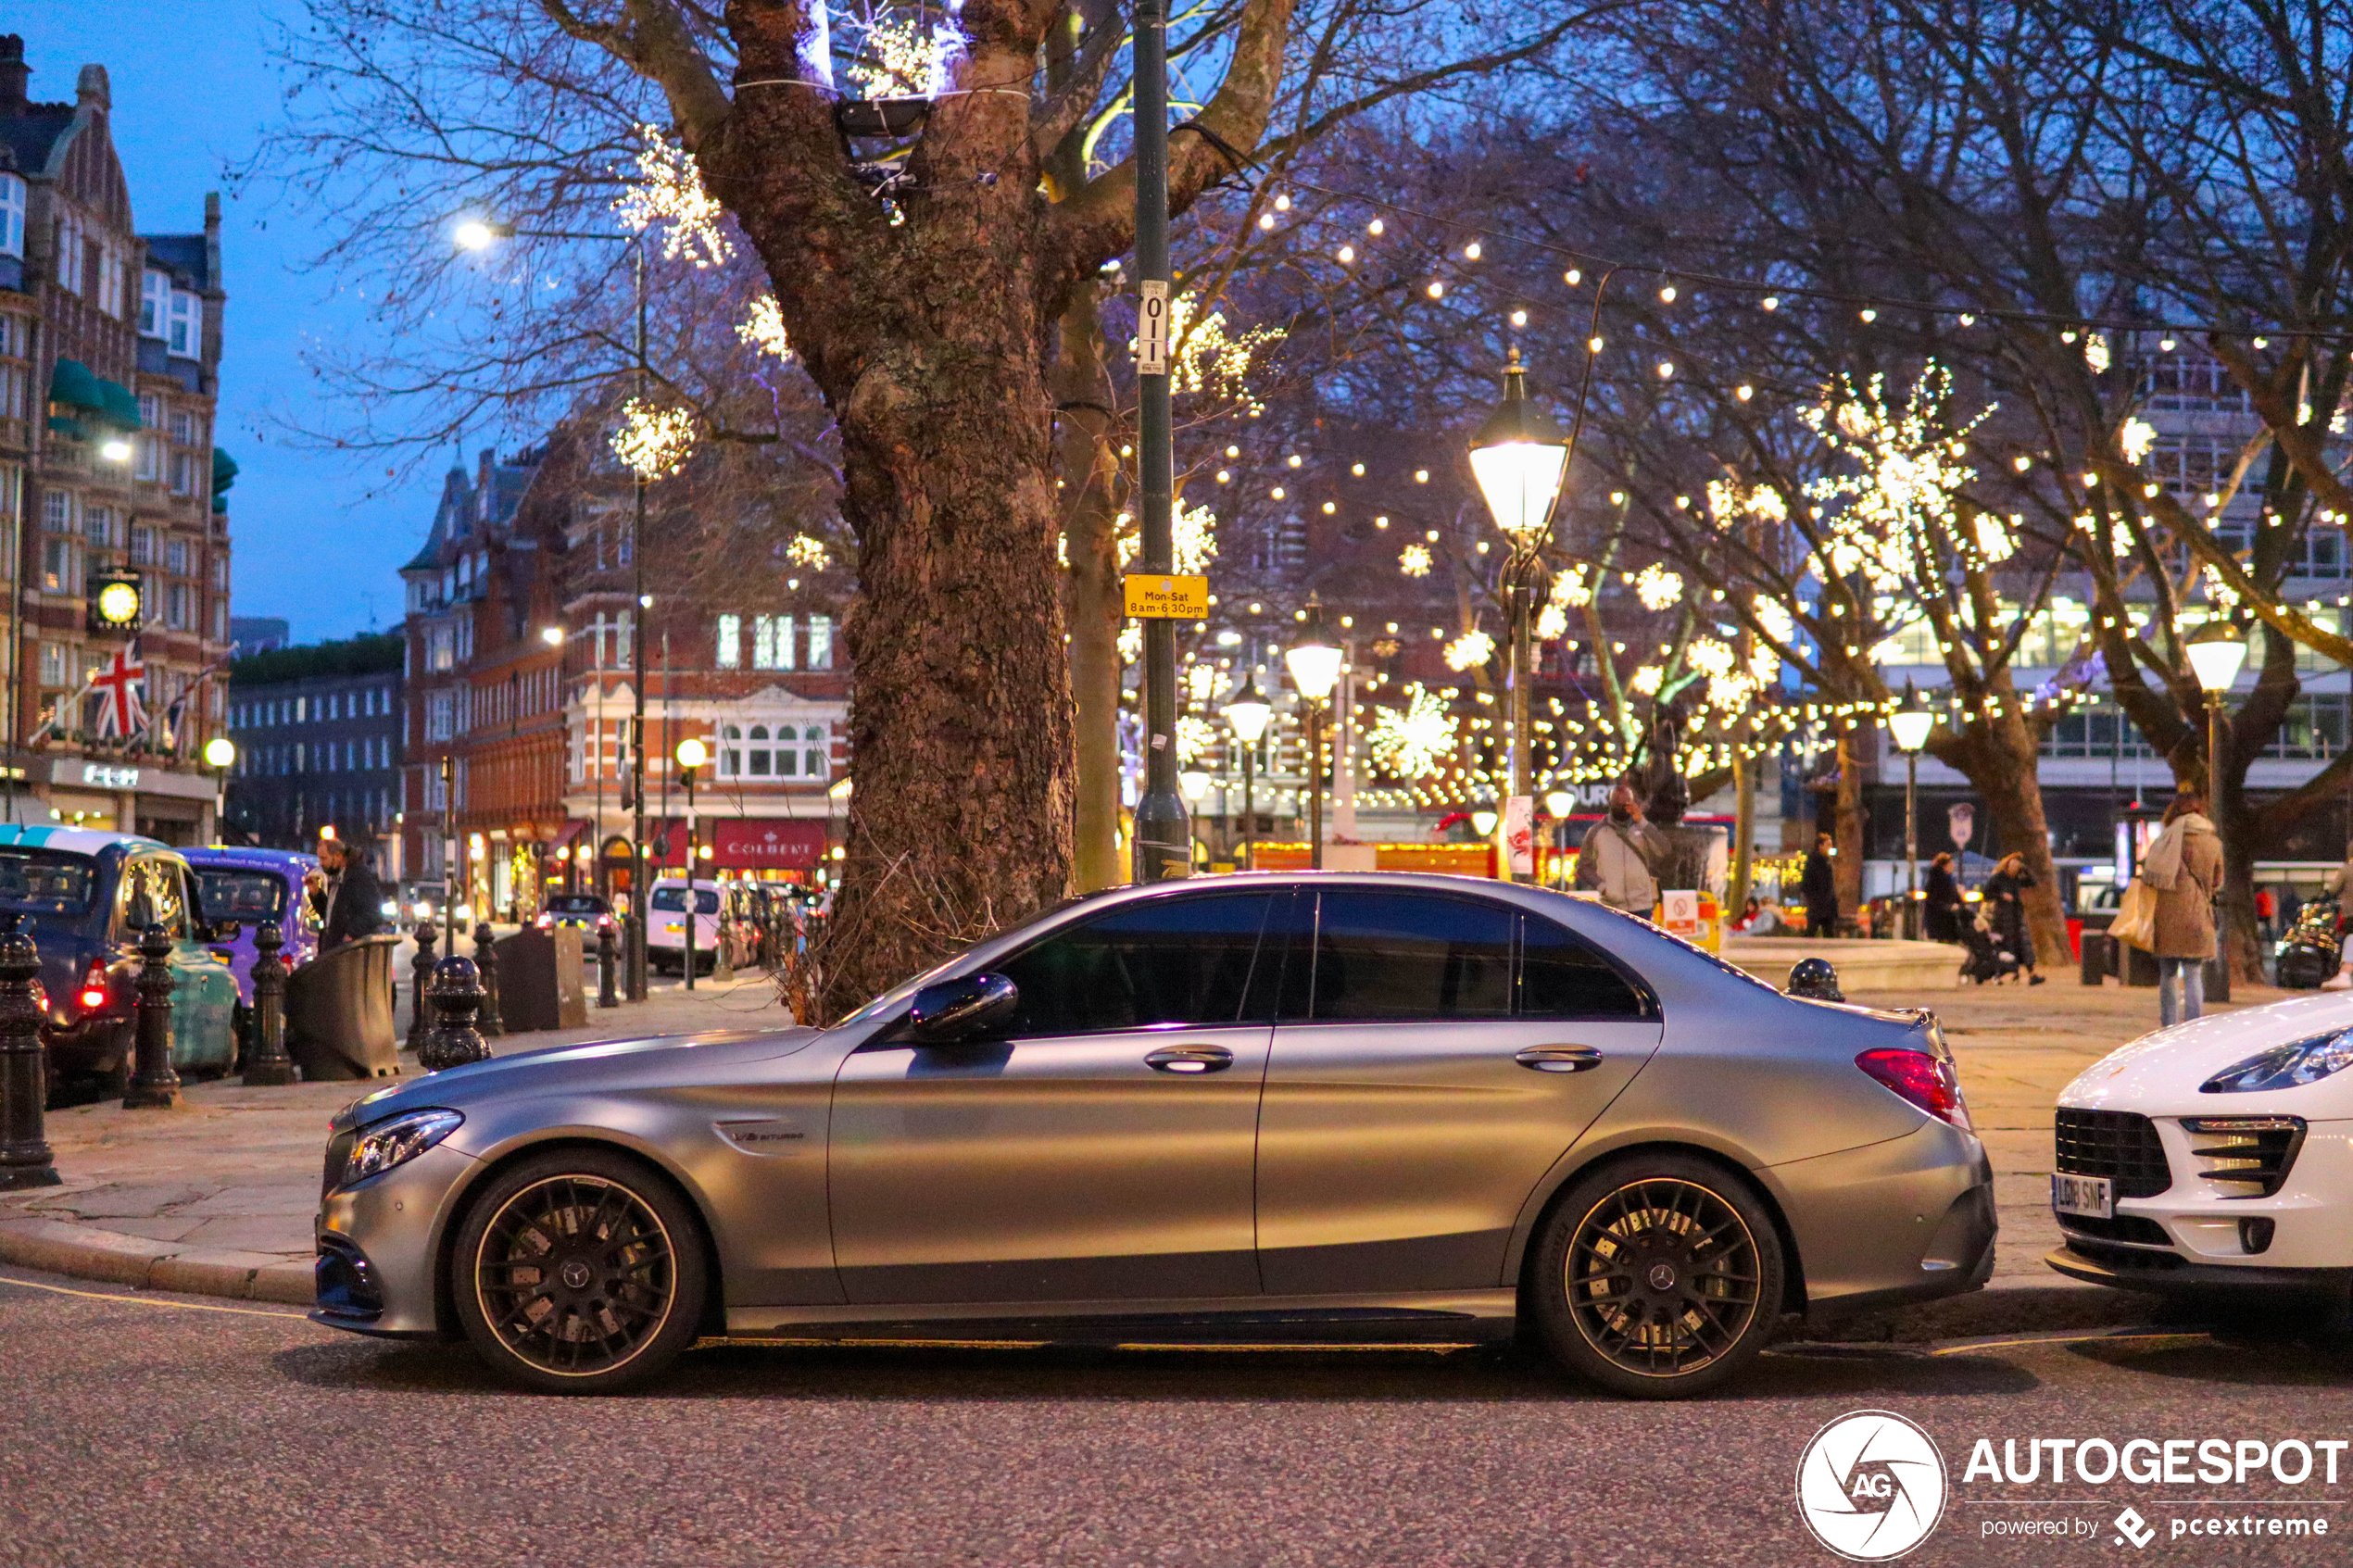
(46, 882)
(248, 897)
(577, 904)
(675, 899)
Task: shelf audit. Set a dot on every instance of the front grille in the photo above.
(2254, 1151)
(2120, 1144)
(2123, 1227)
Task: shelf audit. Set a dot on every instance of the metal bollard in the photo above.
(604, 956)
(24, 1086)
(154, 1086)
(419, 989)
(634, 956)
(457, 998)
(486, 960)
(270, 1066)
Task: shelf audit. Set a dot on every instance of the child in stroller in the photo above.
(1983, 961)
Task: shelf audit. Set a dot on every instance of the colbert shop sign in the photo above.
(757, 844)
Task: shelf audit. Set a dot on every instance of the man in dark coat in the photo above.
(345, 895)
(1820, 886)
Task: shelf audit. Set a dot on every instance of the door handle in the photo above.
(1191, 1059)
(1559, 1058)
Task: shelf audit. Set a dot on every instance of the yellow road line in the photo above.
(2061, 1339)
(152, 1300)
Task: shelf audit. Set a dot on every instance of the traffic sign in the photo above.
(1150, 597)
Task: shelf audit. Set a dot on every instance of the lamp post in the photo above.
(480, 234)
(1314, 661)
(1519, 456)
(1246, 715)
(2216, 655)
(219, 755)
(1911, 725)
(691, 756)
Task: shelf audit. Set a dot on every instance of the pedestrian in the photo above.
(1820, 886)
(2183, 867)
(2004, 898)
(344, 894)
(1944, 908)
(2266, 908)
(1615, 859)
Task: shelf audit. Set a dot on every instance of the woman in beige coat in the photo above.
(2183, 867)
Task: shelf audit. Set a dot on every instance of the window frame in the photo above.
(1274, 928)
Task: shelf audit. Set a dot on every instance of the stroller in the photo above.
(1982, 960)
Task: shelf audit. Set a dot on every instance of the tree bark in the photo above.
(1090, 510)
(1846, 830)
(2001, 761)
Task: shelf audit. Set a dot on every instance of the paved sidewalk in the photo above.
(218, 1198)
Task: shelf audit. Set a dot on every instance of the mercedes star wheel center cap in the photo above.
(1662, 1276)
(575, 1274)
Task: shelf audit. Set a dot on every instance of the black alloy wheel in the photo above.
(1658, 1277)
(580, 1271)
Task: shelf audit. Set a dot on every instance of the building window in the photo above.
(12, 390)
(821, 642)
(175, 556)
(440, 716)
(151, 409)
(56, 511)
(97, 526)
(771, 642)
(12, 205)
(817, 761)
(184, 426)
(185, 335)
(52, 664)
(441, 649)
(110, 271)
(731, 641)
(149, 448)
(176, 614)
(154, 303)
(56, 566)
(68, 231)
(142, 546)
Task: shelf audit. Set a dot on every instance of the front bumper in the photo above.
(2168, 1273)
(393, 1224)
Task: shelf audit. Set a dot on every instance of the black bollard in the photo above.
(486, 959)
(419, 989)
(605, 996)
(457, 998)
(154, 1085)
(270, 1066)
(24, 1087)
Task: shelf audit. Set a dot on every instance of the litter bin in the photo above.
(539, 980)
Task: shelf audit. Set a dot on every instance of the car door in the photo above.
(154, 892)
(1101, 1151)
(1435, 1055)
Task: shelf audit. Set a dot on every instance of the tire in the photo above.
(1656, 1277)
(607, 1313)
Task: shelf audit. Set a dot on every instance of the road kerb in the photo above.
(87, 1252)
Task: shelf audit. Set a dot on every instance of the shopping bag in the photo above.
(2135, 922)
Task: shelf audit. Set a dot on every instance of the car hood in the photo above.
(2160, 1073)
(666, 1062)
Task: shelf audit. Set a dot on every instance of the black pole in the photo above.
(421, 990)
(487, 961)
(637, 888)
(25, 1160)
(687, 776)
(605, 995)
(154, 1085)
(1249, 801)
(1315, 785)
(270, 1066)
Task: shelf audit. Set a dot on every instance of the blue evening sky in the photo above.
(193, 87)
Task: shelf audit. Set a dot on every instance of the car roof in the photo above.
(74, 841)
(261, 860)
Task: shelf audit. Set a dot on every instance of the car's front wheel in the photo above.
(580, 1271)
(1658, 1277)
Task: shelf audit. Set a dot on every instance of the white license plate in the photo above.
(673, 927)
(2094, 1196)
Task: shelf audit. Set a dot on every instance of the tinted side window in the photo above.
(1562, 977)
(1411, 956)
(1175, 960)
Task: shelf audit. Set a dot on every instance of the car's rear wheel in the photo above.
(1658, 1277)
(580, 1271)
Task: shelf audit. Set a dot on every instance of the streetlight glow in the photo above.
(475, 233)
(1911, 727)
(552, 636)
(1519, 456)
(692, 753)
(115, 450)
(2217, 660)
(1314, 658)
(1248, 714)
(220, 752)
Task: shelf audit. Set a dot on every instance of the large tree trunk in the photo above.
(2001, 758)
(1090, 510)
(1846, 831)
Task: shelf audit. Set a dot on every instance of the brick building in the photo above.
(109, 356)
(317, 736)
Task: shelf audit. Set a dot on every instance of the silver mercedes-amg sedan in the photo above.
(1260, 1109)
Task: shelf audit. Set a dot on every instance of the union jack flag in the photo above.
(121, 712)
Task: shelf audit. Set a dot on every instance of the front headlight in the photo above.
(2285, 1066)
(396, 1142)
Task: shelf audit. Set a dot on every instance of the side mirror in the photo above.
(948, 1012)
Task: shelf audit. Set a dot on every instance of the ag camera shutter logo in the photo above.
(1871, 1485)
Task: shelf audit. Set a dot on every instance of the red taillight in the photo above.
(95, 994)
(547, 921)
(1926, 1080)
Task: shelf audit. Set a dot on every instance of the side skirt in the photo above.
(1455, 1318)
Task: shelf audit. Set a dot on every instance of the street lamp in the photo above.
(220, 754)
(552, 636)
(2216, 655)
(692, 755)
(477, 234)
(1246, 716)
(1314, 662)
(1911, 725)
(1519, 456)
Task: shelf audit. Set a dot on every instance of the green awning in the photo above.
(224, 474)
(121, 404)
(70, 383)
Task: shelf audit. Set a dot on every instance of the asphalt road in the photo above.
(159, 1431)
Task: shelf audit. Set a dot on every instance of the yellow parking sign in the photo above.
(1150, 597)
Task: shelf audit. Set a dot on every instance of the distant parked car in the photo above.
(666, 925)
(86, 896)
(248, 887)
(585, 911)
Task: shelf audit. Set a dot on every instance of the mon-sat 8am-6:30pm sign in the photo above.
(1151, 596)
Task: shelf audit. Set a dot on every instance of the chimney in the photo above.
(14, 75)
(90, 87)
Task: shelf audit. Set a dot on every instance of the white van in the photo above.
(666, 925)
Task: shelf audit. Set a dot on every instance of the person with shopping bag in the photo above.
(2168, 909)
